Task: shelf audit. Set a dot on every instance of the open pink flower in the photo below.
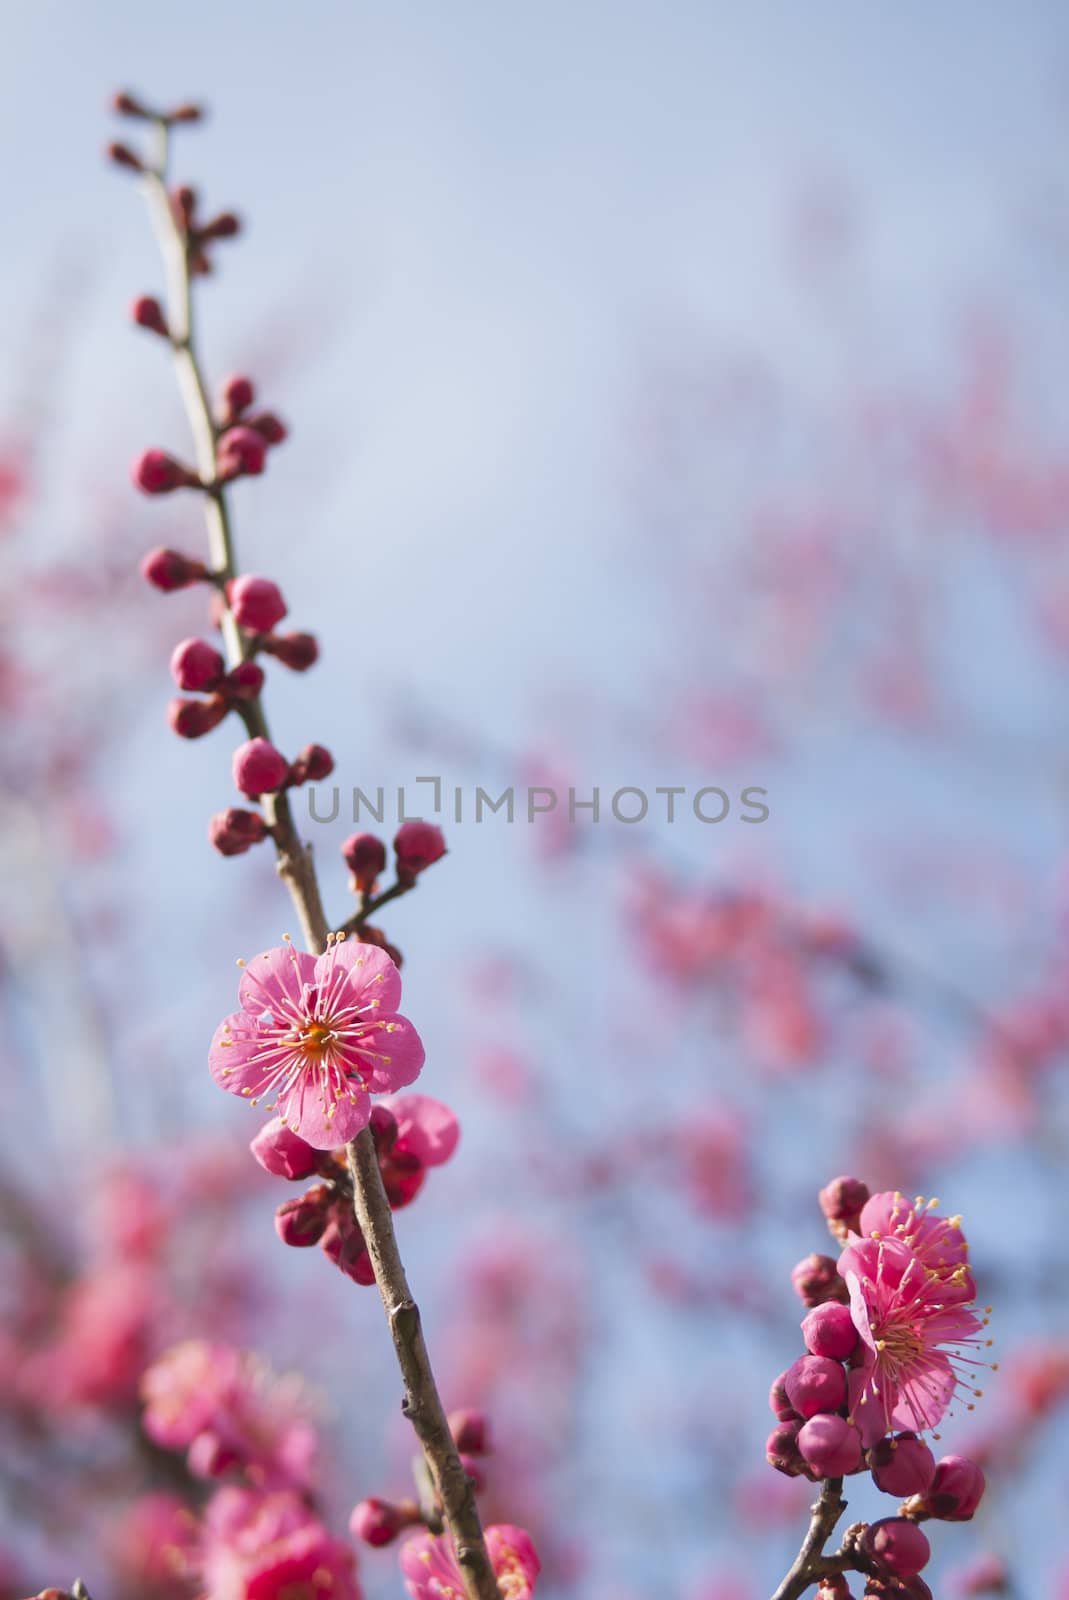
(915, 1330)
(937, 1241)
(320, 1034)
(429, 1565)
(269, 1546)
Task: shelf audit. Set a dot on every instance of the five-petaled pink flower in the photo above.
(909, 1291)
(429, 1565)
(319, 1035)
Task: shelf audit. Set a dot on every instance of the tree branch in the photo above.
(422, 1404)
(810, 1563)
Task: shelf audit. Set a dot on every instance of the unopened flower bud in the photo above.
(403, 1174)
(779, 1404)
(169, 570)
(887, 1587)
(417, 846)
(298, 651)
(156, 472)
(123, 156)
(829, 1330)
(314, 763)
(128, 105)
(365, 856)
(830, 1446)
(815, 1384)
(147, 312)
(196, 665)
(956, 1489)
(383, 1125)
(257, 603)
(235, 397)
(270, 428)
(344, 1244)
(898, 1545)
(234, 831)
(282, 1152)
(240, 453)
(833, 1587)
(902, 1465)
(186, 112)
(225, 226)
(475, 1471)
(244, 681)
(302, 1221)
(191, 719)
(184, 205)
(378, 1522)
(841, 1201)
(816, 1279)
(782, 1452)
(259, 768)
(471, 1432)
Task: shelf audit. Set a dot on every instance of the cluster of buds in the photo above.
(817, 1433)
(198, 234)
(378, 1522)
(417, 845)
(243, 437)
(412, 1133)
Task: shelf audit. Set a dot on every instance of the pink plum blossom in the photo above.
(938, 1242)
(262, 1546)
(429, 1565)
(911, 1320)
(320, 1034)
(426, 1128)
(230, 1411)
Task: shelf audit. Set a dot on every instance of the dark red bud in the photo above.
(191, 719)
(147, 312)
(298, 651)
(123, 156)
(270, 428)
(169, 570)
(471, 1432)
(244, 682)
(234, 831)
(127, 105)
(314, 763)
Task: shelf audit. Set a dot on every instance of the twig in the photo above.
(810, 1564)
(422, 1404)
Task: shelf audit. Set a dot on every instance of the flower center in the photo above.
(315, 1039)
(900, 1346)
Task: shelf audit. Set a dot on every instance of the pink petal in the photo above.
(425, 1127)
(925, 1394)
(309, 1118)
(275, 978)
(866, 1409)
(372, 974)
(392, 1054)
(512, 1552)
(233, 1055)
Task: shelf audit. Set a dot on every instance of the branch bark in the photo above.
(422, 1403)
(809, 1564)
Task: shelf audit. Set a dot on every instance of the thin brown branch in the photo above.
(422, 1403)
(810, 1564)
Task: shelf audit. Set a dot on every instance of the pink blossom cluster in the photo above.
(230, 1414)
(889, 1341)
(412, 1134)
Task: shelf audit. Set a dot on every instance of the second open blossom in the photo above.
(317, 1036)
